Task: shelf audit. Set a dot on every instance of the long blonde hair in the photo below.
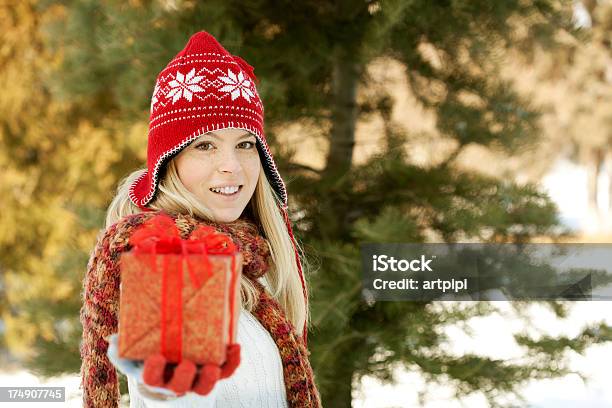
(282, 278)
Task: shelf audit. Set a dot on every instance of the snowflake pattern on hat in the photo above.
(237, 85)
(184, 86)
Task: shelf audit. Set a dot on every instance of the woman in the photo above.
(207, 162)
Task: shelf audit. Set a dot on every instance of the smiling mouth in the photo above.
(226, 191)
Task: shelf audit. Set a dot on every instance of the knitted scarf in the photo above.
(100, 311)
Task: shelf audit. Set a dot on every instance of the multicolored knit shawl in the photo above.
(100, 311)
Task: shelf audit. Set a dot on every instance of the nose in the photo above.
(228, 162)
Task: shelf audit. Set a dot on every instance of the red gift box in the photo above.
(179, 296)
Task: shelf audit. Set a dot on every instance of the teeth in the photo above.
(226, 190)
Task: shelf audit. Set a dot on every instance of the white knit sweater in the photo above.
(257, 382)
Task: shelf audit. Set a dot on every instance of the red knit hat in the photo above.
(205, 88)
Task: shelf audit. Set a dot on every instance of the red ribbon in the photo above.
(160, 235)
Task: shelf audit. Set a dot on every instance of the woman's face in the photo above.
(217, 164)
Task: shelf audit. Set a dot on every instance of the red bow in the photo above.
(160, 235)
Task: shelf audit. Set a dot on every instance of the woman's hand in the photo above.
(162, 380)
(188, 376)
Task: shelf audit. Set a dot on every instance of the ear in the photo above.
(246, 68)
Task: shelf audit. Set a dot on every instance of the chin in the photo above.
(225, 217)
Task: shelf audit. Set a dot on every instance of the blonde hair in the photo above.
(283, 278)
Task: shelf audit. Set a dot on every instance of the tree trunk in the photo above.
(342, 394)
(345, 77)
